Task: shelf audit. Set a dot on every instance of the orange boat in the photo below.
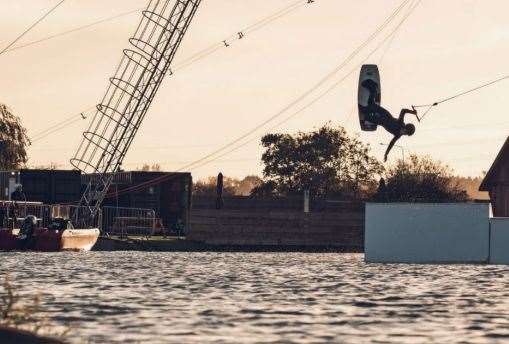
(50, 240)
(24, 231)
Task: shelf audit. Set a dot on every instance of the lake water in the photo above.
(142, 297)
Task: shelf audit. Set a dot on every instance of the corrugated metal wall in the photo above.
(5, 176)
(51, 186)
(168, 194)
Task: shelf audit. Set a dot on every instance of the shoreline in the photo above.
(184, 245)
(10, 335)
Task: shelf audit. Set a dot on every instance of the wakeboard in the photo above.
(368, 71)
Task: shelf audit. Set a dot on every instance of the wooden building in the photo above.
(496, 182)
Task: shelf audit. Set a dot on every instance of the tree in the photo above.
(13, 140)
(148, 168)
(471, 186)
(326, 161)
(51, 166)
(246, 185)
(231, 186)
(208, 187)
(420, 179)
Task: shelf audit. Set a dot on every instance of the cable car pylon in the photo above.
(130, 93)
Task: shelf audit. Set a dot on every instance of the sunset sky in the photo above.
(446, 46)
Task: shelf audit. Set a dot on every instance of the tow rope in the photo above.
(432, 105)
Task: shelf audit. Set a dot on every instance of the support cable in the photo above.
(31, 27)
(315, 87)
(240, 34)
(76, 29)
(179, 66)
(206, 159)
(328, 90)
(61, 125)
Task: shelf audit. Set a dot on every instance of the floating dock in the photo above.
(455, 233)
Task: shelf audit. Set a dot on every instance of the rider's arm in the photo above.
(404, 112)
(391, 144)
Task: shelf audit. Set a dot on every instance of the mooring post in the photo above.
(306, 201)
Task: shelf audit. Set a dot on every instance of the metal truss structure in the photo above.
(130, 93)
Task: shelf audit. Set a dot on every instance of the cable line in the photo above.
(310, 91)
(183, 64)
(477, 88)
(61, 125)
(283, 12)
(31, 27)
(328, 90)
(239, 34)
(79, 28)
(205, 160)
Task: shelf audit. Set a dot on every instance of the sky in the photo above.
(445, 47)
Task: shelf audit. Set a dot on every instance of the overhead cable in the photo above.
(179, 66)
(328, 90)
(76, 29)
(206, 159)
(61, 125)
(31, 27)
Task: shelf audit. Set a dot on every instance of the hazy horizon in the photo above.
(440, 51)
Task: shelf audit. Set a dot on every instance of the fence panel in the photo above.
(125, 222)
(12, 214)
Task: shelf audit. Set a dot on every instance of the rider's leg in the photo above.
(372, 87)
(378, 115)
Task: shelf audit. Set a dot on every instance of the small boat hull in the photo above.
(8, 240)
(79, 239)
(49, 240)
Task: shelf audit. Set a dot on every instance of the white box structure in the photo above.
(427, 233)
(499, 241)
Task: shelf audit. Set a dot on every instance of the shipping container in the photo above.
(167, 193)
(8, 182)
(51, 186)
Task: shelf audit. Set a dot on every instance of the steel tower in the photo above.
(130, 93)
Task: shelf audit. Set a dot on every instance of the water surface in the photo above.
(131, 297)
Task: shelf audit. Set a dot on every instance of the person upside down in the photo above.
(380, 116)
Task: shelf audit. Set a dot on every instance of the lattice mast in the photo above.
(130, 93)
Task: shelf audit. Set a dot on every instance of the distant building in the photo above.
(167, 193)
(46, 186)
(496, 182)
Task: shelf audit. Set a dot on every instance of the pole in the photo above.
(306, 201)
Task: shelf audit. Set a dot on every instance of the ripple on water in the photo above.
(136, 297)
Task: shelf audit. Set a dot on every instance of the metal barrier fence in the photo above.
(12, 214)
(125, 222)
(111, 220)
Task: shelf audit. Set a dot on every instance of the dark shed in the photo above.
(496, 182)
(167, 193)
(51, 186)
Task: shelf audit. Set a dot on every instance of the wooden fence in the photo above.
(247, 223)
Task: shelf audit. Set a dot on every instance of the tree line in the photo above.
(332, 164)
(327, 161)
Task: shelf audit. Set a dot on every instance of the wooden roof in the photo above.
(492, 175)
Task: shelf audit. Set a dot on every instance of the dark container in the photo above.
(5, 178)
(51, 186)
(167, 193)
